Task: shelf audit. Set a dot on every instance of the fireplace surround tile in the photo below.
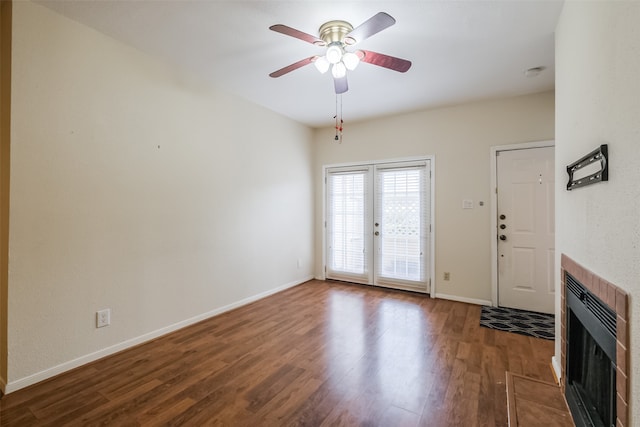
(604, 289)
(611, 297)
(621, 330)
(622, 407)
(622, 301)
(621, 356)
(587, 276)
(617, 299)
(621, 379)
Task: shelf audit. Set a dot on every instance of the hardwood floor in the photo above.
(318, 354)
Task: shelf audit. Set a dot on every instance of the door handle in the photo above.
(503, 237)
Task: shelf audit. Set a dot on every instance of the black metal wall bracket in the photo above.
(601, 155)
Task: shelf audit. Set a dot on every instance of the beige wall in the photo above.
(460, 137)
(598, 88)
(5, 116)
(135, 188)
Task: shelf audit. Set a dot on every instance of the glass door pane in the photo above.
(348, 225)
(402, 222)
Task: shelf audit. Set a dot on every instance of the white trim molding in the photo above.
(457, 298)
(557, 369)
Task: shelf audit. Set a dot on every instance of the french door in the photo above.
(378, 227)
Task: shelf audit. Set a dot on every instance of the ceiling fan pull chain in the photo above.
(337, 138)
(338, 126)
(341, 121)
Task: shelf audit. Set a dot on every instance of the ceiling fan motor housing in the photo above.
(335, 32)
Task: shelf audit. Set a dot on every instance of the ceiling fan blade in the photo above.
(341, 84)
(288, 31)
(373, 25)
(292, 67)
(386, 61)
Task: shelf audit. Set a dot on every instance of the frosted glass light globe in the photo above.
(322, 64)
(334, 54)
(351, 60)
(339, 70)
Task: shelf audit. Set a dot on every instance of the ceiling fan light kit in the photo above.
(321, 64)
(336, 36)
(339, 70)
(350, 60)
(334, 53)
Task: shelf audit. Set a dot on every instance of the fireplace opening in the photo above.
(591, 355)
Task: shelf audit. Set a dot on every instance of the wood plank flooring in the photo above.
(318, 354)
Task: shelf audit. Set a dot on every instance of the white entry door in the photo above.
(526, 229)
(378, 224)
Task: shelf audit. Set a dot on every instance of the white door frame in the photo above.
(432, 244)
(494, 206)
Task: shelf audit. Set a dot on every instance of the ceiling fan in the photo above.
(337, 37)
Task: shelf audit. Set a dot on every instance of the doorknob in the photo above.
(377, 233)
(503, 237)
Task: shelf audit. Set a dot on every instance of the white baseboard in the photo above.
(464, 299)
(556, 368)
(12, 386)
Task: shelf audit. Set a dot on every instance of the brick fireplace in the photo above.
(617, 300)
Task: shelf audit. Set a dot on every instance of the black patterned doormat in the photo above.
(538, 325)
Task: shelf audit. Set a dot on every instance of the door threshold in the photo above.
(382, 286)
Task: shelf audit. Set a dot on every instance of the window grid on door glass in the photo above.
(401, 209)
(347, 209)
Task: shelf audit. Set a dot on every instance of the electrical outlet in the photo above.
(447, 275)
(103, 318)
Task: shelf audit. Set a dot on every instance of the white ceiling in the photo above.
(461, 50)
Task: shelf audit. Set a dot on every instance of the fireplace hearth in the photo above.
(594, 343)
